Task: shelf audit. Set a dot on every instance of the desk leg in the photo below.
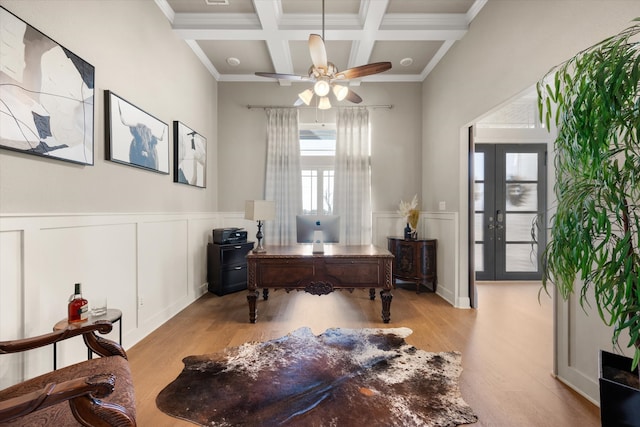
(252, 296)
(385, 296)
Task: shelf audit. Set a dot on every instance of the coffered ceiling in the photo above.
(272, 35)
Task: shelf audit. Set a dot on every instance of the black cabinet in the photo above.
(415, 261)
(227, 267)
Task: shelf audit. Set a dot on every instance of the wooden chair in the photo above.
(96, 392)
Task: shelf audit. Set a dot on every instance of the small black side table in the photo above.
(113, 315)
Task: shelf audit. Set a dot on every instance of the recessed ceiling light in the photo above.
(216, 2)
(234, 62)
(405, 62)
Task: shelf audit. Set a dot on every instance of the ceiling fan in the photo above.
(325, 75)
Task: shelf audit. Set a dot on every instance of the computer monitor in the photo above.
(329, 225)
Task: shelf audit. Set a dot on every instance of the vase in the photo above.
(407, 232)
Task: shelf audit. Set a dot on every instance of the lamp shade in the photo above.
(306, 96)
(324, 103)
(260, 210)
(340, 92)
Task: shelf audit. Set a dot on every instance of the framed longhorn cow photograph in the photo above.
(135, 137)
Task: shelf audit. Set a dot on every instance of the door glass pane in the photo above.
(478, 196)
(478, 257)
(522, 197)
(521, 257)
(478, 227)
(521, 166)
(478, 166)
(518, 227)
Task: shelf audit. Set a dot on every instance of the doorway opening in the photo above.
(507, 190)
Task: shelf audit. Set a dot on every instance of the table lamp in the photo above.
(261, 211)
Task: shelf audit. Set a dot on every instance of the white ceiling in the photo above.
(271, 35)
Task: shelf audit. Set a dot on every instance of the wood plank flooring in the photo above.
(506, 345)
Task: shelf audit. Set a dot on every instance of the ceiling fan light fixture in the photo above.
(324, 103)
(340, 92)
(306, 96)
(321, 88)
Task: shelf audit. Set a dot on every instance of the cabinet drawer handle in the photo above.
(238, 268)
(238, 247)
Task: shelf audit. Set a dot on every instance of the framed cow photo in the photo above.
(190, 156)
(135, 137)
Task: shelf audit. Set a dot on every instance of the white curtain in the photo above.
(352, 181)
(284, 176)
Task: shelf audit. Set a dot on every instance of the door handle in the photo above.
(499, 224)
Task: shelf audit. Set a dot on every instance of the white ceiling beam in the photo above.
(269, 14)
(371, 14)
(345, 34)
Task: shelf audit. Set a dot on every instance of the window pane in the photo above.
(478, 166)
(327, 189)
(522, 197)
(309, 191)
(519, 227)
(478, 227)
(522, 166)
(478, 257)
(521, 257)
(478, 196)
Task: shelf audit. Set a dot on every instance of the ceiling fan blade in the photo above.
(318, 52)
(353, 97)
(283, 76)
(363, 70)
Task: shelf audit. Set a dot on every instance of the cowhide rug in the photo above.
(343, 377)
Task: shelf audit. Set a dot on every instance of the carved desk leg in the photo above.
(385, 296)
(372, 293)
(252, 296)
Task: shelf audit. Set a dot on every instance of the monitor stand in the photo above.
(318, 245)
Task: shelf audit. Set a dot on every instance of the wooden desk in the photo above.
(340, 267)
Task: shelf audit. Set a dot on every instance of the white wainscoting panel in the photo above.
(159, 257)
(442, 226)
(580, 335)
(11, 303)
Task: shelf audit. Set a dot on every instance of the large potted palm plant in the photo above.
(593, 250)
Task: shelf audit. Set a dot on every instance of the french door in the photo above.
(509, 194)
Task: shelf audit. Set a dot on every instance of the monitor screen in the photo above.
(306, 225)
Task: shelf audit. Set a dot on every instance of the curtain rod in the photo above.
(389, 106)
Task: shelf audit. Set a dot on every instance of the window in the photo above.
(317, 157)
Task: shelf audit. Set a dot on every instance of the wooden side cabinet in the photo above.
(415, 261)
(227, 267)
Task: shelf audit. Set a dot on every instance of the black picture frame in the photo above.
(46, 95)
(135, 137)
(189, 156)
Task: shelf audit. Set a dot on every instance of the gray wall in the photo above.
(135, 55)
(395, 139)
(510, 45)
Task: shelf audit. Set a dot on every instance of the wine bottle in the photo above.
(78, 308)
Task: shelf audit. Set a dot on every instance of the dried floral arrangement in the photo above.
(410, 211)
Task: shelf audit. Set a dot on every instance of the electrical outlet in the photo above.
(442, 206)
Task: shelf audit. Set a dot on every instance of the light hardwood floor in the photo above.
(506, 346)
